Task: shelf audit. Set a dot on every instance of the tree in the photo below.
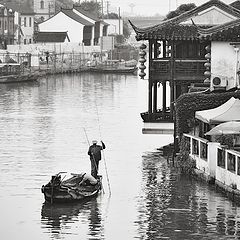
(126, 30)
(91, 6)
(181, 9)
(111, 15)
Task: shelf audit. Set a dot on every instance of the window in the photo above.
(238, 165)
(25, 41)
(5, 25)
(30, 22)
(221, 158)
(30, 41)
(231, 162)
(195, 147)
(0, 24)
(25, 21)
(19, 21)
(42, 4)
(203, 150)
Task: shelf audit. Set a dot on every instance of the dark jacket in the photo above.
(94, 151)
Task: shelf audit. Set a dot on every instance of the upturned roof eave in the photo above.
(185, 16)
(219, 28)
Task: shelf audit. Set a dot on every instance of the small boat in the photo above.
(58, 190)
(14, 73)
(114, 66)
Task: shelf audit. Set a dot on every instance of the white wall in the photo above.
(37, 50)
(62, 23)
(56, 47)
(210, 167)
(212, 16)
(227, 177)
(212, 156)
(223, 62)
(113, 27)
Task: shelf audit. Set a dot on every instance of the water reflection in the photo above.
(173, 206)
(41, 128)
(61, 219)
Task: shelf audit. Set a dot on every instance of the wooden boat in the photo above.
(14, 73)
(69, 190)
(114, 66)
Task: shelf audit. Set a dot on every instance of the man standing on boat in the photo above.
(94, 152)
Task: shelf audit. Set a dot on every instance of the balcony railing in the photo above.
(179, 69)
(158, 116)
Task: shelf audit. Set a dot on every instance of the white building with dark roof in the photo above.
(82, 27)
(79, 29)
(100, 26)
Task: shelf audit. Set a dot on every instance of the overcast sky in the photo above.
(152, 7)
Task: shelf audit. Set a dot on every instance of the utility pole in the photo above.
(49, 10)
(119, 21)
(108, 7)
(102, 7)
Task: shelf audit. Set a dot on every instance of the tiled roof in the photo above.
(171, 29)
(236, 4)
(53, 37)
(89, 15)
(74, 16)
(229, 31)
(21, 8)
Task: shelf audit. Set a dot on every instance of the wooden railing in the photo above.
(158, 116)
(179, 69)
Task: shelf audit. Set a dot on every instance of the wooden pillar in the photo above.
(175, 92)
(172, 84)
(155, 55)
(155, 97)
(164, 49)
(155, 49)
(164, 96)
(150, 93)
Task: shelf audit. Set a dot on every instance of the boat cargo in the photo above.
(73, 189)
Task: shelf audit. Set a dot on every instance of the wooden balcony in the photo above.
(159, 116)
(191, 70)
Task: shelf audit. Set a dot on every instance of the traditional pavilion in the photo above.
(179, 53)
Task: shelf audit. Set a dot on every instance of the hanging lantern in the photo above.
(142, 60)
(207, 65)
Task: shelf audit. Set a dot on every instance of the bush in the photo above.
(185, 162)
(187, 104)
(225, 140)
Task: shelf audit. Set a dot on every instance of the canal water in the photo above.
(42, 132)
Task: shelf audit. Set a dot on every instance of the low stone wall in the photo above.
(231, 193)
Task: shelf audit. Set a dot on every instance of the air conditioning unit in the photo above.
(219, 82)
